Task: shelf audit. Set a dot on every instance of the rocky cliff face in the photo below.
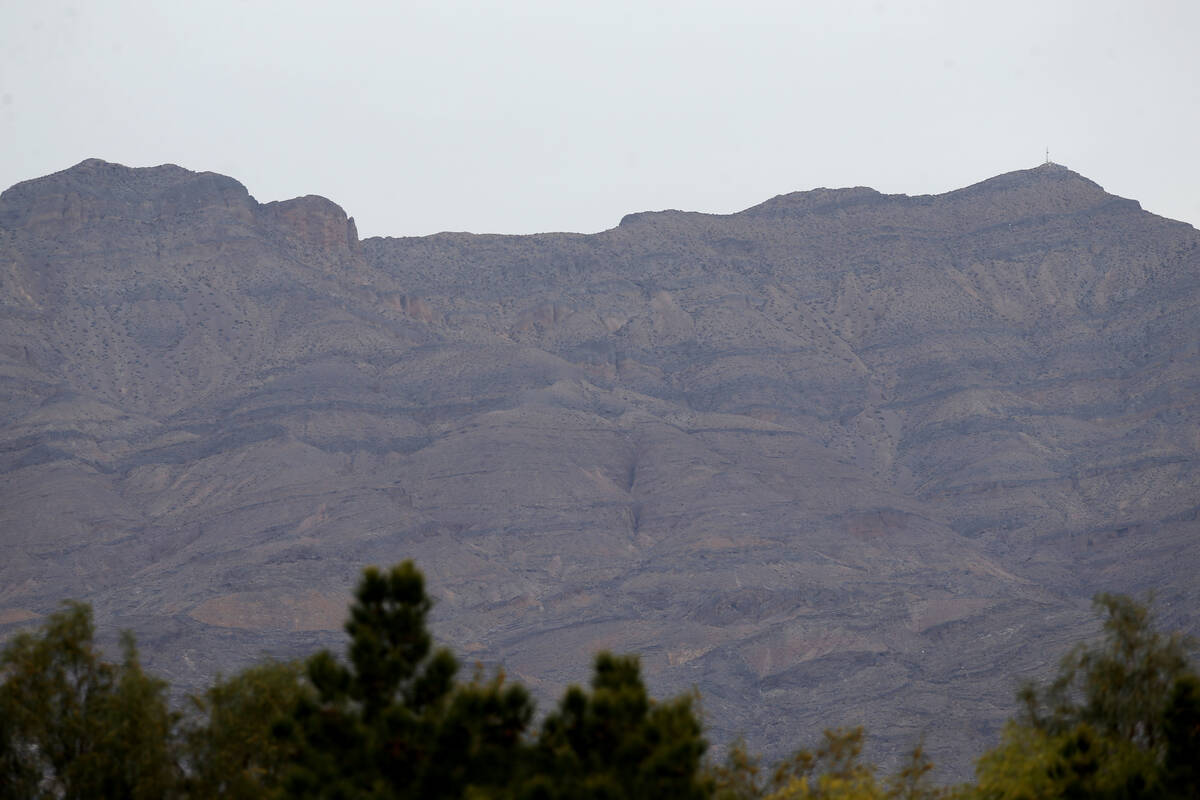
(842, 457)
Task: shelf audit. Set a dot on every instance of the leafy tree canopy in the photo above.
(76, 726)
(230, 744)
(1120, 720)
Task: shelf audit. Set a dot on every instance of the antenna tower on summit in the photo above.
(1047, 155)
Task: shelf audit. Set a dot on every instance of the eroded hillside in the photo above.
(841, 457)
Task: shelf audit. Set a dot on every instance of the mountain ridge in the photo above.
(837, 458)
(129, 178)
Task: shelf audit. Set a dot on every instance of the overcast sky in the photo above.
(524, 116)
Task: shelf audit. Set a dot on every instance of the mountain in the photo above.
(839, 458)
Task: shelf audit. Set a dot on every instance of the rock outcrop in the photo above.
(317, 222)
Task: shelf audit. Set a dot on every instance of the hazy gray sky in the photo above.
(524, 116)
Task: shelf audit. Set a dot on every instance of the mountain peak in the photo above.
(1048, 188)
(96, 189)
(816, 200)
(95, 175)
(1046, 174)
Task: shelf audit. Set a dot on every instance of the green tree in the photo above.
(835, 769)
(1120, 720)
(615, 742)
(480, 739)
(1181, 728)
(18, 775)
(78, 726)
(740, 777)
(1120, 687)
(1032, 764)
(231, 750)
(392, 723)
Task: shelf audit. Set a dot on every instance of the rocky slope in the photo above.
(842, 457)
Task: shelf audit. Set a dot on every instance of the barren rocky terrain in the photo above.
(839, 458)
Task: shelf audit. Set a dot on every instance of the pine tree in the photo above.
(392, 723)
(616, 743)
